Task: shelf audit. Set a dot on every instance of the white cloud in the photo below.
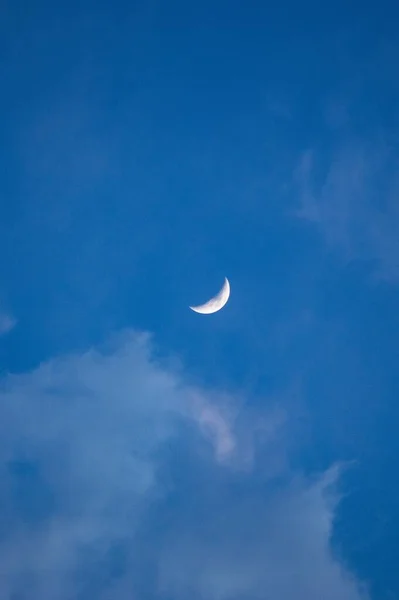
(103, 450)
(354, 201)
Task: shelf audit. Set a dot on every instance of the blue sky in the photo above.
(149, 149)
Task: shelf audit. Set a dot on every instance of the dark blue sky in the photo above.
(149, 149)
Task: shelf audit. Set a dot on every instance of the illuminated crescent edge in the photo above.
(216, 303)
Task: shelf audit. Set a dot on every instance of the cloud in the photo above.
(215, 426)
(119, 480)
(257, 544)
(352, 197)
(7, 322)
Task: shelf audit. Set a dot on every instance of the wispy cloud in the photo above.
(352, 197)
(108, 491)
(216, 426)
(7, 322)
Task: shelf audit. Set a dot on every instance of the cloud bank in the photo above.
(120, 480)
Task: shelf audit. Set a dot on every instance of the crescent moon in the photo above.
(215, 303)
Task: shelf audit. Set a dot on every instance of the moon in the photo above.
(215, 303)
